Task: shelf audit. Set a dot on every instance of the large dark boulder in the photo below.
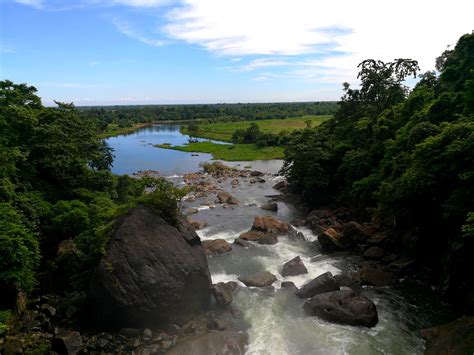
(452, 338)
(331, 241)
(343, 307)
(151, 274)
(323, 283)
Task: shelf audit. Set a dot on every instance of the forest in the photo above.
(403, 156)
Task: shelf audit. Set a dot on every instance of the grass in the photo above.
(230, 152)
(223, 130)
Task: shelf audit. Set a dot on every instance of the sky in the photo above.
(108, 52)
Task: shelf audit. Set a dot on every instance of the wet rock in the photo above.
(271, 206)
(216, 246)
(452, 338)
(269, 224)
(377, 239)
(257, 179)
(242, 242)
(268, 239)
(234, 182)
(374, 253)
(197, 224)
(294, 267)
(251, 235)
(402, 266)
(213, 343)
(259, 279)
(347, 281)
(151, 274)
(298, 236)
(256, 173)
(332, 241)
(323, 283)
(67, 342)
(375, 277)
(225, 197)
(299, 222)
(281, 186)
(222, 292)
(289, 285)
(343, 307)
(49, 310)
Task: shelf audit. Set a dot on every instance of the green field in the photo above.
(223, 130)
(230, 152)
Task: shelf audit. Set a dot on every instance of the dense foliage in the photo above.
(406, 156)
(110, 117)
(55, 185)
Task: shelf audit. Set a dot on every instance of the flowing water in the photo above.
(275, 315)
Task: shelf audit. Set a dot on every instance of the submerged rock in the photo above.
(271, 206)
(268, 239)
(452, 338)
(289, 286)
(294, 267)
(225, 342)
(259, 279)
(242, 242)
(216, 246)
(323, 283)
(151, 274)
(343, 307)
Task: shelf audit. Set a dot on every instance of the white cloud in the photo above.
(126, 29)
(140, 3)
(360, 29)
(34, 3)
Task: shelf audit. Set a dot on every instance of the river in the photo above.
(277, 322)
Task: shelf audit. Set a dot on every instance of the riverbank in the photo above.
(223, 131)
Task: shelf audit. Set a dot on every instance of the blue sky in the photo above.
(96, 52)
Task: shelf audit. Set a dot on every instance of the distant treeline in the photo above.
(126, 116)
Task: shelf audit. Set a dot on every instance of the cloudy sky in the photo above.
(95, 52)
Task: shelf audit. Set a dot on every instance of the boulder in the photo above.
(294, 267)
(225, 197)
(452, 338)
(375, 277)
(151, 274)
(289, 286)
(242, 242)
(225, 342)
(259, 279)
(251, 235)
(268, 239)
(264, 226)
(216, 246)
(234, 182)
(356, 232)
(374, 253)
(67, 342)
(343, 307)
(281, 186)
(271, 206)
(222, 292)
(256, 173)
(269, 224)
(323, 283)
(256, 179)
(331, 241)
